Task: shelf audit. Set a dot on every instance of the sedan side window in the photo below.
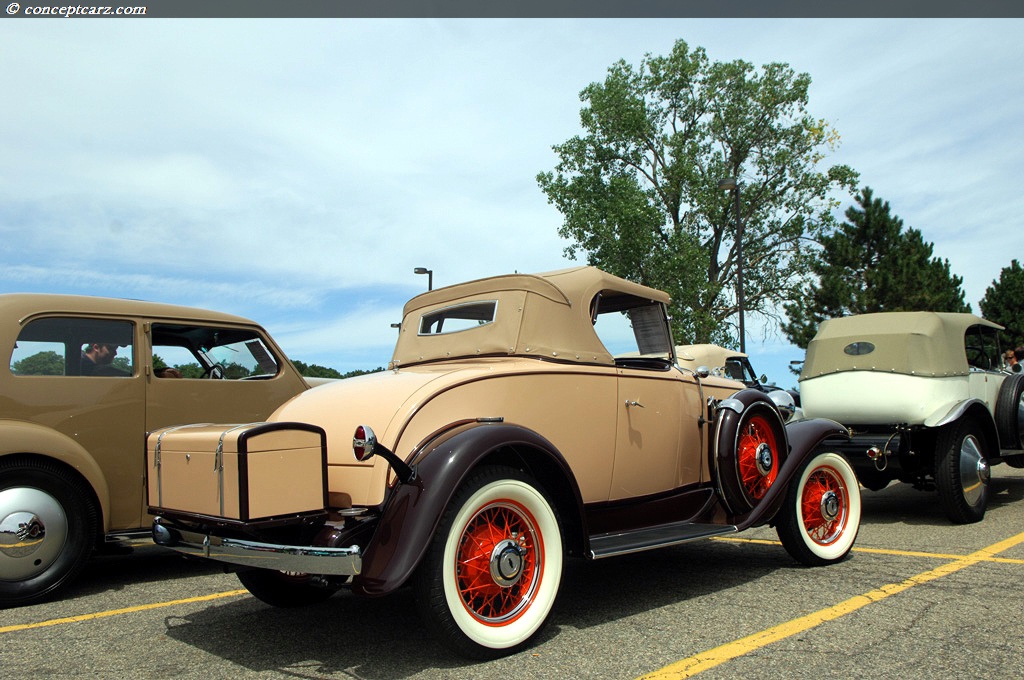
(211, 352)
(58, 346)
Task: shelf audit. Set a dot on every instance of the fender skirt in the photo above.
(413, 510)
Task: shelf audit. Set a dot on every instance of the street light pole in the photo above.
(429, 273)
(733, 184)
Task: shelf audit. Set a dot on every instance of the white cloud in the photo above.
(271, 168)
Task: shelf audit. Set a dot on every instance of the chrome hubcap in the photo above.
(974, 470)
(830, 506)
(507, 563)
(33, 530)
(764, 458)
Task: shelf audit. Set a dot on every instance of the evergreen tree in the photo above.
(870, 264)
(1004, 304)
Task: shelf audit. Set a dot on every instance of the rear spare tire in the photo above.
(1010, 412)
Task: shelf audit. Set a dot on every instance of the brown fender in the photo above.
(413, 510)
(733, 415)
(805, 436)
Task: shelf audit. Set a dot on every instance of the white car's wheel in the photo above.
(492, 571)
(962, 472)
(821, 517)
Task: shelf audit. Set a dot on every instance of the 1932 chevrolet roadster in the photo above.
(523, 418)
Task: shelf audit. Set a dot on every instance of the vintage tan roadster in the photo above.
(523, 419)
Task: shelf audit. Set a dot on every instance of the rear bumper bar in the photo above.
(305, 559)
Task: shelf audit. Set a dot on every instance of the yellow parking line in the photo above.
(876, 551)
(118, 612)
(713, 657)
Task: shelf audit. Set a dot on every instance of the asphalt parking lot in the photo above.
(918, 598)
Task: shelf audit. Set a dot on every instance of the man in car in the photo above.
(98, 359)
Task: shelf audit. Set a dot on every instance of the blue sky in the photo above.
(297, 171)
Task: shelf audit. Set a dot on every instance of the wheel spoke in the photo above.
(823, 529)
(756, 480)
(480, 592)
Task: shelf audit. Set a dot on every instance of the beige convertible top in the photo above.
(544, 315)
(711, 356)
(912, 343)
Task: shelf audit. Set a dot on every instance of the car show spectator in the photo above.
(98, 359)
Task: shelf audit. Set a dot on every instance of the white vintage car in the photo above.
(924, 398)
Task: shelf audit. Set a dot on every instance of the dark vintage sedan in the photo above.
(523, 419)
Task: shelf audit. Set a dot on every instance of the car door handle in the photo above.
(634, 403)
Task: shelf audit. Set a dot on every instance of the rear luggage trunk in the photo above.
(244, 473)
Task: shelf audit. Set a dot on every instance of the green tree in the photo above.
(352, 374)
(317, 371)
(40, 363)
(1004, 303)
(639, 191)
(314, 370)
(235, 371)
(871, 264)
(191, 370)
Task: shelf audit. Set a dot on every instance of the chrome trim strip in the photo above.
(732, 404)
(307, 559)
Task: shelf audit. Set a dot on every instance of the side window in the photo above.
(735, 369)
(187, 351)
(74, 347)
(982, 346)
(631, 328)
(458, 318)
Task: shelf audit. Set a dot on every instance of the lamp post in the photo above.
(429, 273)
(733, 184)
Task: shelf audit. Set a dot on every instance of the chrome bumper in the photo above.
(296, 558)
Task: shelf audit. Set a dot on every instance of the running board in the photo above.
(648, 538)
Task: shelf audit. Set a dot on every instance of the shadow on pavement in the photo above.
(384, 639)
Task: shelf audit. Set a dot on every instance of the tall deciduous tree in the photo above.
(40, 363)
(871, 264)
(1004, 303)
(639, 189)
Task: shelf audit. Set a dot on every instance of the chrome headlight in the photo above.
(783, 401)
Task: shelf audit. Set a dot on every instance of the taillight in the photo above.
(364, 441)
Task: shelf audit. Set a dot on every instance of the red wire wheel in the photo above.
(821, 517)
(824, 505)
(757, 456)
(492, 572)
(498, 565)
